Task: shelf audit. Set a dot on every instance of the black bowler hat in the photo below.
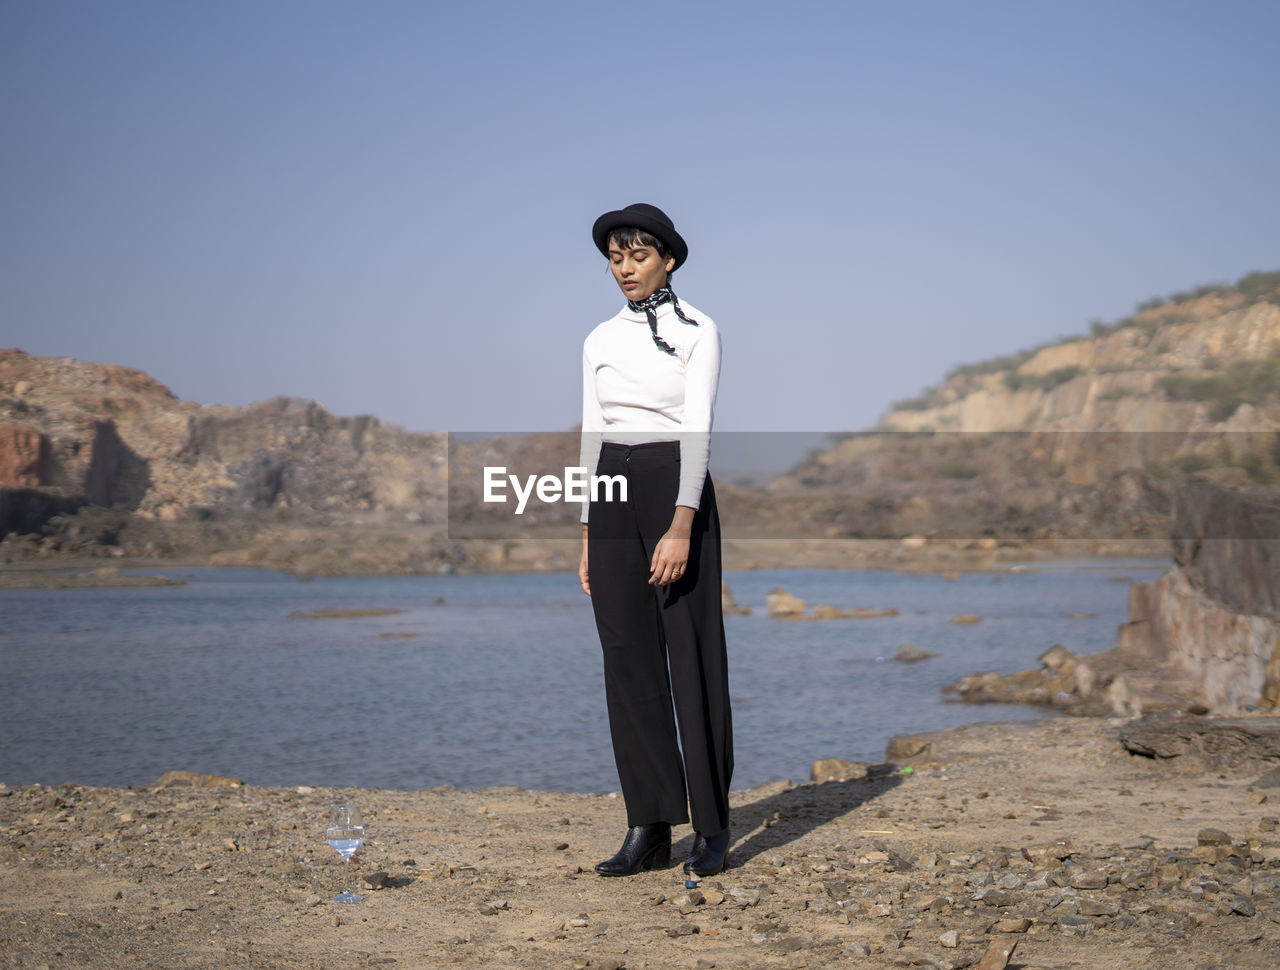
(643, 216)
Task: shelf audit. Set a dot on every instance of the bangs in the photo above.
(628, 237)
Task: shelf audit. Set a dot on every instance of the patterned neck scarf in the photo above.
(649, 306)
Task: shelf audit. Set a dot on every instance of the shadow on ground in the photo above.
(796, 812)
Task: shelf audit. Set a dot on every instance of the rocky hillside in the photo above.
(1079, 440)
(120, 439)
(98, 458)
(1205, 361)
(1082, 438)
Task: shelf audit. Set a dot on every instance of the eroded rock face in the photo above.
(24, 456)
(1215, 617)
(1204, 637)
(1234, 657)
(1116, 383)
(115, 438)
(1227, 541)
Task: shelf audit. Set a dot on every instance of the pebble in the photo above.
(1075, 925)
(995, 897)
(1093, 879)
(1212, 837)
(1018, 924)
(950, 939)
(1243, 905)
(916, 958)
(1099, 907)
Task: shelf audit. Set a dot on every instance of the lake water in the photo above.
(499, 684)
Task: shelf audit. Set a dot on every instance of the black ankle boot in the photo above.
(708, 856)
(645, 847)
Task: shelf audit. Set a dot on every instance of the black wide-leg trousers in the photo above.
(661, 643)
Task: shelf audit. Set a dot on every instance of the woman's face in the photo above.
(639, 270)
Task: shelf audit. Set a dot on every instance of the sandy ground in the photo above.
(920, 869)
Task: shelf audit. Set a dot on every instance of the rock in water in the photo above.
(784, 606)
(728, 605)
(909, 654)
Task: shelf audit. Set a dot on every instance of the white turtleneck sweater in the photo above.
(634, 392)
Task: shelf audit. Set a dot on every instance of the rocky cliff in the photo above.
(97, 458)
(1203, 638)
(1215, 616)
(1206, 363)
(121, 439)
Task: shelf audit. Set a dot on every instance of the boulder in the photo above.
(833, 769)
(784, 606)
(909, 654)
(904, 747)
(729, 606)
(1216, 743)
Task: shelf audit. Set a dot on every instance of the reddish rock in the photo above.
(997, 955)
(24, 456)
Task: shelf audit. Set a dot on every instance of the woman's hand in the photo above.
(671, 554)
(582, 565)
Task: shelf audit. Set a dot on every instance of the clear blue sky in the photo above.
(386, 206)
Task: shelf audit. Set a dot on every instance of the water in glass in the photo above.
(345, 834)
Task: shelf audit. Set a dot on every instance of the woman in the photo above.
(651, 561)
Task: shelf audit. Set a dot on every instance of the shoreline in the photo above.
(57, 572)
(1094, 857)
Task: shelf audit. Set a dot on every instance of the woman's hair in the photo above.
(628, 236)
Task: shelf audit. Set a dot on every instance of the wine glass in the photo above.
(345, 833)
